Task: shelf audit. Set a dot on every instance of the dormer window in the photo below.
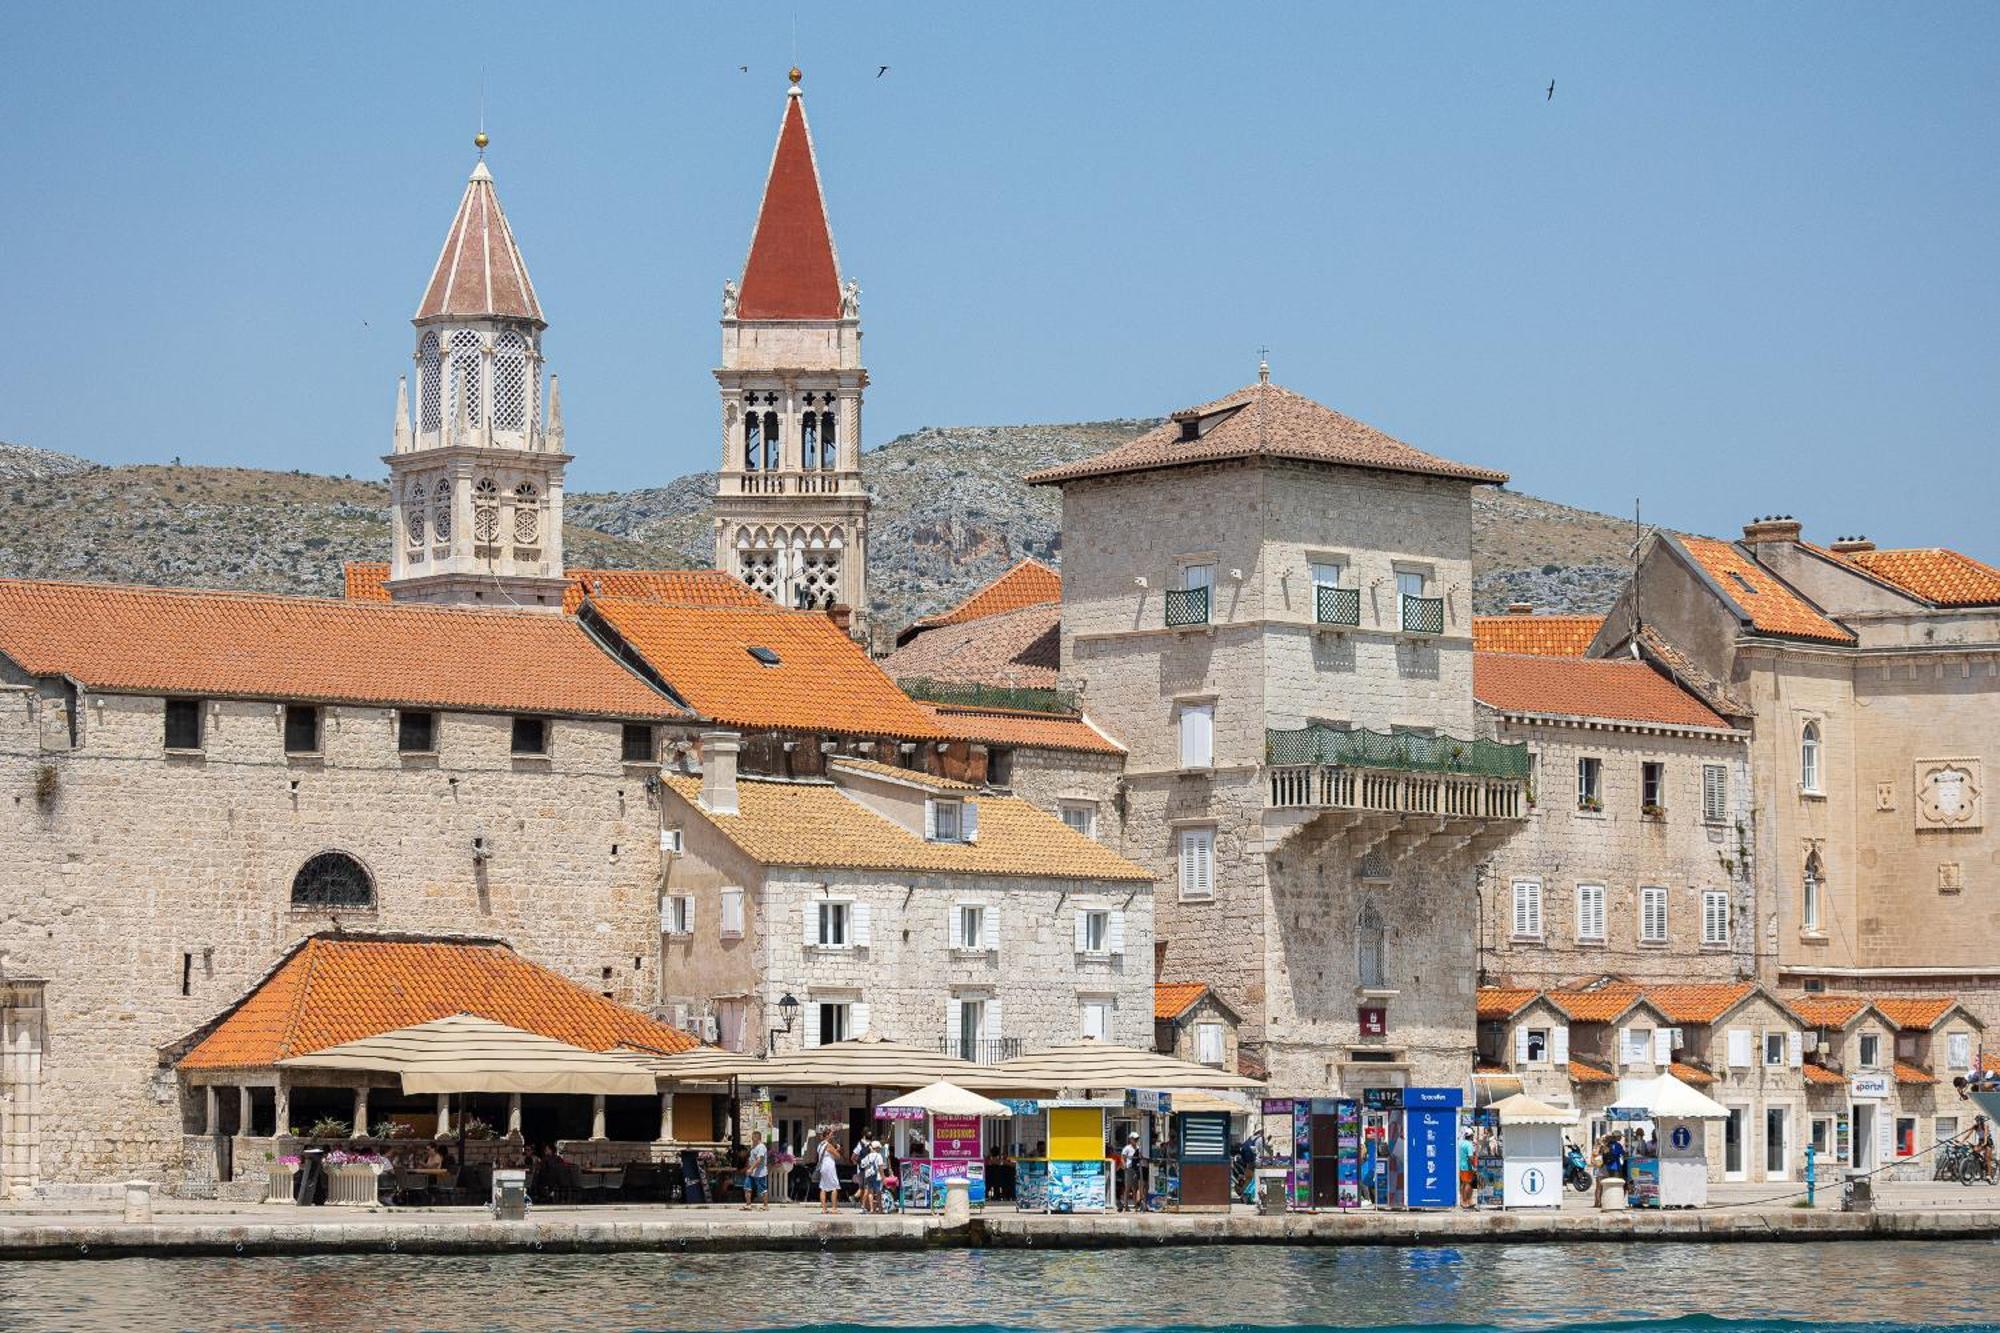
(1191, 429)
(948, 821)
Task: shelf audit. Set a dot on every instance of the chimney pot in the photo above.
(1778, 528)
(842, 615)
(1520, 608)
(1848, 545)
(719, 750)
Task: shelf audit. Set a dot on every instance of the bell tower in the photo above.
(791, 518)
(476, 475)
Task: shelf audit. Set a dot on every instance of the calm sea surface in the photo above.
(1729, 1288)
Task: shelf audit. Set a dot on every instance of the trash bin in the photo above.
(1271, 1189)
(510, 1195)
(1858, 1195)
(312, 1176)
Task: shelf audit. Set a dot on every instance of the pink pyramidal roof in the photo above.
(480, 271)
(791, 272)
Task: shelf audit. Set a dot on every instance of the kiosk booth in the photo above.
(952, 1118)
(1323, 1136)
(1531, 1151)
(1072, 1176)
(1430, 1146)
(1676, 1170)
(1201, 1139)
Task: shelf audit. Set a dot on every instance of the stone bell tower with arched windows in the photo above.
(791, 519)
(476, 476)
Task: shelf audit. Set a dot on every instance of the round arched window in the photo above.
(333, 879)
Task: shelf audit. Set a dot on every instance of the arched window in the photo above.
(829, 443)
(526, 516)
(1809, 758)
(430, 382)
(465, 376)
(753, 441)
(485, 511)
(415, 504)
(333, 879)
(441, 510)
(510, 382)
(1811, 891)
(1372, 949)
(809, 439)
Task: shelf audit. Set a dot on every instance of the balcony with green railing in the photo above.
(1336, 606)
(1423, 615)
(1186, 606)
(1318, 767)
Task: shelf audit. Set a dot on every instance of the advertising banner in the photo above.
(1347, 1120)
(955, 1138)
(1300, 1183)
(1432, 1164)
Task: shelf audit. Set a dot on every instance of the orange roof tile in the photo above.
(1502, 1001)
(1543, 636)
(1690, 1075)
(1028, 583)
(1595, 1006)
(1909, 1073)
(1826, 1010)
(1012, 648)
(1824, 1077)
(1940, 576)
(1698, 1004)
(1171, 999)
(1264, 421)
(1770, 604)
(1580, 1072)
(1039, 731)
(804, 823)
(871, 768)
(335, 989)
(368, 581)
(791, 272)
(1917, 1012)
(257, 646)
(822, 680)
(1616, 689)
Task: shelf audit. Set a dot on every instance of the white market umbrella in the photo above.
(1100, 1064)
(944, 1098)
(464, 1053)
(1667, 1098)
(1521, 1109)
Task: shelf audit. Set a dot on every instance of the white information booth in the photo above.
(1531, 1151)
(1679, 1115)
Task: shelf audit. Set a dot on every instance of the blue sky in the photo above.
(1743, 262)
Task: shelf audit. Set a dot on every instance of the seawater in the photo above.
(1633, 1288)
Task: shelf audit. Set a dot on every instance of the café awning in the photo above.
(464, 1053)
(1521, 1109)
(1097, 1064)
(877, 1062)
(943, 1098)
(703, 1064)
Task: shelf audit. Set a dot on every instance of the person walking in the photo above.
(1468, 1171)
(829, 1172)
(1129, 1168)
(757, 1174)
(1610, 1165)
(870, 1167)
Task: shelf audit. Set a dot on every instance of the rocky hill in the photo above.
(950, 512)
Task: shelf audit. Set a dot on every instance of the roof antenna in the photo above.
(1638, 540)
(480, 140)
(1263, 365)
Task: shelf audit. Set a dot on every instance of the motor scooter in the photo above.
(1576, 1170)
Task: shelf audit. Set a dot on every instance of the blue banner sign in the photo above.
(1434, 1097)
(1432, 1173)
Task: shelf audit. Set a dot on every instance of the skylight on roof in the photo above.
(1743, 583)
(764, 655)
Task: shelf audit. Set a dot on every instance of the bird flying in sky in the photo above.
(880, 72)
(1552, 92)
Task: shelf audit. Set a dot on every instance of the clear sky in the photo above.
(1742, 262)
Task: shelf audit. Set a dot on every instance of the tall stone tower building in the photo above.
(477, 470)
(791, 519)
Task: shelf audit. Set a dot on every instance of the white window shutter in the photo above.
(1796, 1049)
(1521, 1044)
(930, 820)
(969, 814)
(1559, 1044)
(1739, 1048)
(1115, 936)
(812, 1025)
(857, 1014)
(954, 928)
(1663, 1047)
(1624, 1045)
(732, 911)
(995, 1026)
(993, 936)
(1082, 931)
(860, 913)
(810, 915)
(954, 1017)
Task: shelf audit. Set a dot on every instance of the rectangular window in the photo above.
(1958, 1051)
(1590, 912)
(1095, 1016)
(677, 914)
(1906, 1045)
(1774, 1049)
(1715, 916)
(1714, 794)
(948, 821)
(1197, 735)
(1810, 916)
(635, 743)
(1906, 1136)
(971, 933)
(531, 735)
(1527, 909)
(1208, 1044)
(999, 767)
(833, 925)
(1822, 1134)
(1189, 604)
(1197, 864)
(1652, 915)
(1589, 783)
(183, 724)
(1638, 1046)
(833, 1022)
(1538, 1045)
(416, 732)
(1871, 1050)
(1652, 788)
(1334, 604)
(732, 913)
(1093, 929)
(1944, 1128)
(1081, 817)
(301, 729)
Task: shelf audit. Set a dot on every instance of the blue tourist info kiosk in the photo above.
(1430, 1144)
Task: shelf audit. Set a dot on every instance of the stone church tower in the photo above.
(791, 519)
(477, 472)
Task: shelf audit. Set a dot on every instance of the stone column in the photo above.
(444, 1115)
(514, 1116)
(597, 1116)
(666, 1117)
(281, 1107)
(211, 1107)
(361, 1110)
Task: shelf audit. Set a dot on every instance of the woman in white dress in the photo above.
(829, 1172)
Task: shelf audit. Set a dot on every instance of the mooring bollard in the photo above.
(957, 1203)
(1812, 1180)
(139, 1202)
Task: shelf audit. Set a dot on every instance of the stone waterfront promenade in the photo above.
(72, 1230)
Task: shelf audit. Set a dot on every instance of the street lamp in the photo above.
(788, 1009)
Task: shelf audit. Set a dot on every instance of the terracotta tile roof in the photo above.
(822, 681)
(791, 272)
(890, 771)
(1823, 1077)
(1489, 1067)
(1826, 1010)
(816, 824)
(1264, 421)
(1690, 1075)
(257, 646)
(1171, 999)
(480, 270)
(1038, 731)
(1939, 576)
(1544, 636)
(1616, 689)
(1017, 648)
(1502, 1001)
(367, 581)
(1909, 1073)
(1595, 1006)
(1914, 1012)
(1698, 1004)
(1770, 604)
(1990, 1062)
(1028, 583)
(1690, 675)
(333, 990)
(1583, 1072)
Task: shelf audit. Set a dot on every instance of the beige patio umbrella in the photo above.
(942, 1098)
(465, 1053)
(1521, 1109)
(701, 1064)
(877, 1062)
(1097, 1064)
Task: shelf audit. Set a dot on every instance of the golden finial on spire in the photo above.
(796, 74)
(480, 141)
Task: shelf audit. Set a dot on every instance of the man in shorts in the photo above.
(757, 1174)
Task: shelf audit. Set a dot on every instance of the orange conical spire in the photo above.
(792, 272)
(480, 271)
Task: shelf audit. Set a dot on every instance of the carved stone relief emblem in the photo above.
(1950, 794)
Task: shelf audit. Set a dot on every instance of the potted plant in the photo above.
(1651, 811)
(351, 1177)
(1593, 804)
(475, 1128)
(284, 1178)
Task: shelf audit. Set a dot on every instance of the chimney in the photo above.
(1773, 528)
(1520, 608)
(842, 616)
(1850, 545)
(718, 771)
